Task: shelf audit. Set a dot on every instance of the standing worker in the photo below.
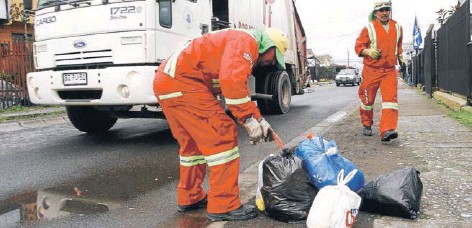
(185, 86)
(380, 43)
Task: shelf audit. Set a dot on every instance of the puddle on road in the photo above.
(188, 219)
(95, 194)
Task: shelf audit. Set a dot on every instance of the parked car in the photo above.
(348, 76)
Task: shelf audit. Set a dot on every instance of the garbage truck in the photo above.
(98, 58)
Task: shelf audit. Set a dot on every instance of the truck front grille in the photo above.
(84, 58)
(71, 95)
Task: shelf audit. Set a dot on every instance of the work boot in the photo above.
(200, 204)
(367, 131)
(245, 212)
(389, 135)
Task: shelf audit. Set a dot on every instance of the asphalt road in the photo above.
(130, 173)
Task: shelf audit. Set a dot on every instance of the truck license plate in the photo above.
(79, 78)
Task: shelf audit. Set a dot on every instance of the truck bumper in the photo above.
(110, 86)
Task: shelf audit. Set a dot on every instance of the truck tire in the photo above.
(277, 84)
(88, 119)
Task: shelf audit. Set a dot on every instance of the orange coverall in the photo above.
(380, 73)
(186, 85)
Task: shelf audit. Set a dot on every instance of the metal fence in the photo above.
(453, 56)
(445, 61)
(16, 60)
(429, 64)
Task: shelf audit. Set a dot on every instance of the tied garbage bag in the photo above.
(335, 206)
(311, 148)
(323, 169)
(394, 194)
(286, 191)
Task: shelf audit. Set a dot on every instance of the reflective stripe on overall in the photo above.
(386, 80)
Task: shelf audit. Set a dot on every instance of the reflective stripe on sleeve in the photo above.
(171, 64)
(397, 27)
(389, 105)
(366, 107)
(192, 160)
(223, 157)
(372, 35)
(237, 101)
(216, 83)
(170, 95)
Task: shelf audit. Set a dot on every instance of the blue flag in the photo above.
(417, 38)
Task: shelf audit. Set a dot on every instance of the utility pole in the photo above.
(347, 58)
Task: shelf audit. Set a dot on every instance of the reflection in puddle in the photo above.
(53, 204)
(47, 204)
(18, 209)
(95, 194)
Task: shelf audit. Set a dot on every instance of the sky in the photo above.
(332, 26)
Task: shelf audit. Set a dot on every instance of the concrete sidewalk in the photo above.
(435, 144)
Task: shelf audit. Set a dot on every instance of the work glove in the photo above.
(401, 61)
(254, 130)
(266, 130)
(373, 53)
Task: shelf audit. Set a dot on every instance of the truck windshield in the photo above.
(45, 3)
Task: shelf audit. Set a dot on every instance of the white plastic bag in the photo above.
(335, 205)
(259, 201)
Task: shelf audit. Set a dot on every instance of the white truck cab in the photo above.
(98, 57)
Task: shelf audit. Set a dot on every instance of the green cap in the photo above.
(272, 37)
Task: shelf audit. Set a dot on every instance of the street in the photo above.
(130, 173)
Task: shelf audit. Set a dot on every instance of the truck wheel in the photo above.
(90, 120)
(277, 84)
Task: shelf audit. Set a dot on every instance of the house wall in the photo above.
(16, 25)
(7, 31)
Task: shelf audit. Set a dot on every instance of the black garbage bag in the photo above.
(394, 194)
(287, 191)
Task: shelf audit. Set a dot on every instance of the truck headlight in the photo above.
(123, 90)
(131, 40)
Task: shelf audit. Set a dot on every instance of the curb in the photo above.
(454, 103)
(18, 125)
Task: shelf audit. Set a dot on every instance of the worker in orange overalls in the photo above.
(380, 43)
(185, 86)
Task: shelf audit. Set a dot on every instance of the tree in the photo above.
(443, 14)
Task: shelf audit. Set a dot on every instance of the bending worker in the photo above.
(185, 86)
(380, 43)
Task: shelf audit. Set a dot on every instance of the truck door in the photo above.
(179, 22)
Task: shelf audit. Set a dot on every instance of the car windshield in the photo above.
(347, 72)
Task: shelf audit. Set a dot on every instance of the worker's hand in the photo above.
(373, 53)
(266, 130)
(254, 130)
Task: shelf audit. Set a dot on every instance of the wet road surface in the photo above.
(57, 176)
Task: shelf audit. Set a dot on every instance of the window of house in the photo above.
(19, 38)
